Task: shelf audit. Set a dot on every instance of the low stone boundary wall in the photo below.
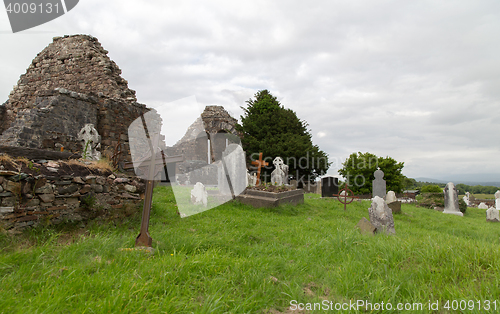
(27, 200)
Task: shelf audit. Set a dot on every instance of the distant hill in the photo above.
(458, 181)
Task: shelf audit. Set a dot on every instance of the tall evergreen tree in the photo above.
(268, 128)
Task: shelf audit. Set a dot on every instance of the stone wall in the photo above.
(52, 197)
(77, 63)
(70, 83)
(58, 115)
(3, 117)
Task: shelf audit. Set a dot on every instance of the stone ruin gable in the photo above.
(58, 116)
(194, 145)
(70, 83)
(77, 63)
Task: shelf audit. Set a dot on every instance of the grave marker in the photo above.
(329, 186)
(381, 216)
(451, 200)
(259, 163)
(497, 200)
(379, 185)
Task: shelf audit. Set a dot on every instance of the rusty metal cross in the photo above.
(343, 197)
(259, 163)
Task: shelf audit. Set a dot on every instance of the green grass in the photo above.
(237, 259)
(484, 196)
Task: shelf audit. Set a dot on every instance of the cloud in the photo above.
(417, 81)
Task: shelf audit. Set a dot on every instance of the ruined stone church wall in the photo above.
(58, 115)
(77, 63)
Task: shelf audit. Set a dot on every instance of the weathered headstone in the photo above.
(91, 142)
(381, 216)
(391, 197)
(379, 185)
(366, 227)
(199, 194)
(482, 205)
(393, 203)
(497, 200)
(493, 215)
(329, 186)
(279, 176)
(466, 198)
(451, 200)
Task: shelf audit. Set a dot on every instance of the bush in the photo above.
(431, 200)
(462, 206)
(431, 189)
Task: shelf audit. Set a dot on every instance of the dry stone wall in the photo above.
(30, 199)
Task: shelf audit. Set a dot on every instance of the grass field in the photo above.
(237, 259)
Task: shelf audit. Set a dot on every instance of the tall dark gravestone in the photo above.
(329, 186)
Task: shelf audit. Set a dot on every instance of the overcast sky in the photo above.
(416, 81)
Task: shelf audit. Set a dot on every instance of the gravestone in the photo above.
(199, 194)
(259, 163)
(366, 227)
(391, 197)
(379, 185)
(467, 199)
(232, 174)
(279, 176)
(91, 142)
(381, 216)
(451, 200)
(329, 186)
(492, 214)
(497, 200)
(482, 205)
(393, 202)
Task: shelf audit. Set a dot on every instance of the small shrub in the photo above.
(431, 189)
(88, 201)
(430, 200)
(462, 206)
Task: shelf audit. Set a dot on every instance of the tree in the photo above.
(409, 183)
(358, 169)
(431, 188)
(268, 127)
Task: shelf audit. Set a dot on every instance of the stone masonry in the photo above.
(70, 83)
